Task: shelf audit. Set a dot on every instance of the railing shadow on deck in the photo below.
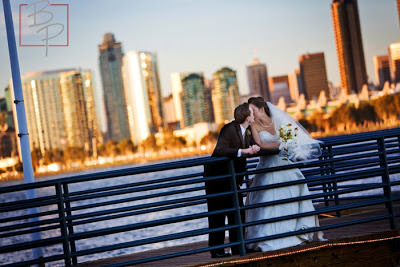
(104, 214)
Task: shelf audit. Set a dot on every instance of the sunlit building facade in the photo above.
(349, 46)
(382, 70)
(295, 85)
(143, 94)
(74, 110)
(225, 94)
(258, 80)
(280, 89)
(169, 112)
(191, 98)
(313, 75)
(394, 61)
(398, 9)
(196, 108)
(110, 60)
(57, 113)
(176, 87)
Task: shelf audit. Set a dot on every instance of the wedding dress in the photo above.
(273, 194)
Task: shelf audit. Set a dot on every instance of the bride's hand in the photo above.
(255, 148)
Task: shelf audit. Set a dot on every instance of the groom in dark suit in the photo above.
(234, 140)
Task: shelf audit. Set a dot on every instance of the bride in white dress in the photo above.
(264, 130)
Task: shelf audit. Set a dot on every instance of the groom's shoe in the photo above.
(252, 250)
(220, 254)
(248, 250)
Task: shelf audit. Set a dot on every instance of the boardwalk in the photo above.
(351, 245)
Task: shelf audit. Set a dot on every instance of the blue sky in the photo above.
(205, 35)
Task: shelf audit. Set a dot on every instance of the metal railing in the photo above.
(134, 209)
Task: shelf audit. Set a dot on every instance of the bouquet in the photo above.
(288, 137)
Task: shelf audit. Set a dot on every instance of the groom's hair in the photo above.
(241, 113)
(259, 102)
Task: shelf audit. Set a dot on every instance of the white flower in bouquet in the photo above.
(288, 137)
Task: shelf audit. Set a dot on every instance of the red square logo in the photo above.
(43, 24)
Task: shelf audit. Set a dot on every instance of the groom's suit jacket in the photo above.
(230, 139)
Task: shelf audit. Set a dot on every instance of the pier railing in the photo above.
(110, 213)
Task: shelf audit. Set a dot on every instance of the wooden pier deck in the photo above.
(369, 244)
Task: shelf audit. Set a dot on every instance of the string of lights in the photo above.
(297, 251)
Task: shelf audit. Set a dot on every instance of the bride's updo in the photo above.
(259, 102)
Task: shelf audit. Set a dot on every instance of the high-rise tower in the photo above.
(313, 75)
(191, 98)
(382, 70)
(59, 109)
(349, 46)
(110, 60)
(394, 61)
(225, 95)
(143, 94)
(258, 80)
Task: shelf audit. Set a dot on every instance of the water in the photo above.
(113, 238)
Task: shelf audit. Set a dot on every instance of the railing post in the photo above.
(238, 219)
(63, 225)
(332, 171)
(323, 172)
(386, 180)
(69, 224)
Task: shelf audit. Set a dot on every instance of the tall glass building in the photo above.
(110, 60)
(394, 62)
(382, 70)
(191, 98)
(57, 112)
(258, 80)
(196, 108)
(313, 75)
(225, 95)
(143, 94)
(349, 46)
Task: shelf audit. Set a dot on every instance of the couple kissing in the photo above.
(254, 130)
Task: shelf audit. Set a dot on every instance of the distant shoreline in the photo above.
(106, 165)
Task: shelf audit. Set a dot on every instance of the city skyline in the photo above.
(192, 36)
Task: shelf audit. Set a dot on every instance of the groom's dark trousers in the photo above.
(229, 141)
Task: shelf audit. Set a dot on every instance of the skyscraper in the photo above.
(192, 98)
(143, 94)
(74, 109)
(382, 70)
(279, 88)
(169, 112)
(349, 46)
(56, 109)
(398, 9)
(196, 108)
(313, 75)
(225, 95)
(295, 85)
(394, 60)
(258, 80)
(176, 86)
(110, 59)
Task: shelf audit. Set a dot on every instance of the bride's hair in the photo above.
(259, 102)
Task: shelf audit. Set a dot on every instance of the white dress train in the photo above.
(281, 209)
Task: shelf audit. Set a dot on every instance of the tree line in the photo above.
(385, 109)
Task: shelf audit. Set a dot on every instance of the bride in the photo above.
(268, 119)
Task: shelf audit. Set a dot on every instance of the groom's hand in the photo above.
(255, 148)
(251, 150)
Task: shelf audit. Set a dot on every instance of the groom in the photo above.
(234, 140)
